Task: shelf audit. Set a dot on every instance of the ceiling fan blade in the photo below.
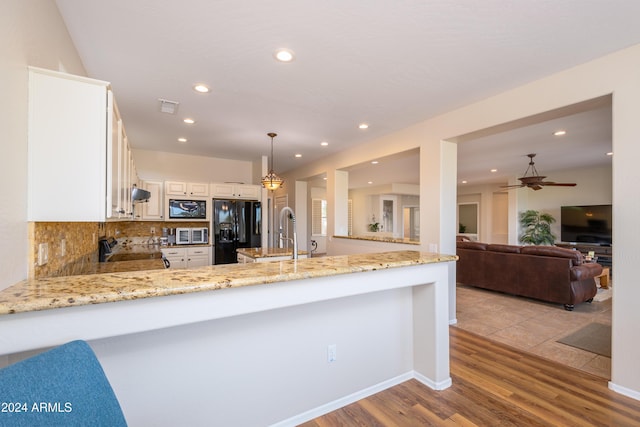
(559, 184)
(536, 187)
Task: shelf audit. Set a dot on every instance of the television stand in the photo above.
(604, 253)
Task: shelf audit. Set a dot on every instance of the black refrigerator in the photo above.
(236, 224)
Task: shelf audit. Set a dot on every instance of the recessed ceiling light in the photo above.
(298, 155)
(369, 182)
(189, 121)
(464, 181)
(375, 162)
(324, 143)
(610, 153)
(363, 126)
(284, 55)
(560, 132)
(494, 170)
(202, 88)
(325, 178)
(182, 139)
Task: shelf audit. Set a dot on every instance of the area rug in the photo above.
(595, 338)
(603, 294)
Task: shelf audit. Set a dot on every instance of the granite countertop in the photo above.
(267, 252)
(124, 266)
(58, 292)
(387, 239)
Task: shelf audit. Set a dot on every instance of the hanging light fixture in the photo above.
(272, 181)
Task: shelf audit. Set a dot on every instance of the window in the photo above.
(318, 217)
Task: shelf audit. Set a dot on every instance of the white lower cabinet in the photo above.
(187, 257)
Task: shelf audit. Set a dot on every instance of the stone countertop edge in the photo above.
(380, 239)
(70, 291)
(267, 252)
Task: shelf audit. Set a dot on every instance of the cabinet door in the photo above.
(128, 207)
(154, 208)
(67, 147)
(244, 191)
(198, 189)
(113, 159)
(197, 261)
(175, 188)
(176, 256)
(222, 190)
(198, 257)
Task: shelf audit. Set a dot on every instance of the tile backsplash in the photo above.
(72, 245)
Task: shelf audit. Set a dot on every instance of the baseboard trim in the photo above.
(624, 391)
(343, 401)
(431, 384)
(354, 397)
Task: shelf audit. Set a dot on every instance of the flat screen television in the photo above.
(586, 224)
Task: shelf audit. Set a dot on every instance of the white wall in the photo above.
(158, 165)
(613, 74)
(31, 33)
(594, 187)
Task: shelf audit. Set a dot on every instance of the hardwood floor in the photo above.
(493, 385)
(534, 326)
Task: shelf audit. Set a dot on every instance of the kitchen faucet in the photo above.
(292, 217)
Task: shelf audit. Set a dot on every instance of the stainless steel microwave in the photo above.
(187, 209)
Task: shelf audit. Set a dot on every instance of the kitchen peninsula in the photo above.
(246, 255)
(195, 347)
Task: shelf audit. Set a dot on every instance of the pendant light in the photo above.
(272, 181)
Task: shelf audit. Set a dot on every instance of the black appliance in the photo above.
(104, 248)
(187, 209)
(236, 224)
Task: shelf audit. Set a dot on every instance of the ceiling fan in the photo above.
(534, 180)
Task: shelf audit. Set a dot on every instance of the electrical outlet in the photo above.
(43, 253)
(63, 247)
(153, 230)
(433, 247)
(332, 353)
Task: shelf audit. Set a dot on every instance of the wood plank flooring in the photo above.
(493, 385)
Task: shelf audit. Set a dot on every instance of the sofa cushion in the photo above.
(511, 249)
(472, 245)
(575, 256)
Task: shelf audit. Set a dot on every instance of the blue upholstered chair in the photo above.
(65, 386)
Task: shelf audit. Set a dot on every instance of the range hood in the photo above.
(139, 195)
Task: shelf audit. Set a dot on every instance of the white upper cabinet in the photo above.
(191, 189)
(235, 191)
(154, 208)
(67, 147)
(74, 169)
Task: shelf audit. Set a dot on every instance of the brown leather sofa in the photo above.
(546, 273)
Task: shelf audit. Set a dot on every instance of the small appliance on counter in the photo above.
(191, 236)
(104, 248)
(171, 236)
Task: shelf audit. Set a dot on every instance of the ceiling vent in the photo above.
(166, 106)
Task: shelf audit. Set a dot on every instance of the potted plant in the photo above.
(536, 228)
(374, 225)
